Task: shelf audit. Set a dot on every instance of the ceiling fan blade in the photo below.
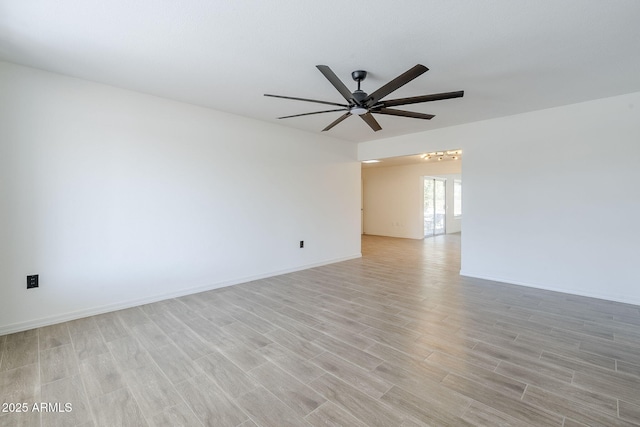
(371, 121)
(397, 83)
(335, 81)
(423, 98)
(315, 112)
(403, 113)
(306, 99)
(336, 121)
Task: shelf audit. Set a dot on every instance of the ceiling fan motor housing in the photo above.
(360, 96)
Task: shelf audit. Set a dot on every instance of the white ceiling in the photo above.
(509, 56)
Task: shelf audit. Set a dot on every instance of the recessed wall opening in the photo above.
(414, 196)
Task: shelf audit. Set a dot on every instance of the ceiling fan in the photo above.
(364, 105)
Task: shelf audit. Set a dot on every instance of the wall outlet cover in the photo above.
(32, 281)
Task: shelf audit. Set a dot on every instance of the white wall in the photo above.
(393, 198)
(115, 198)
(550, 197)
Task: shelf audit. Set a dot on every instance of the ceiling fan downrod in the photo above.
(359, 95)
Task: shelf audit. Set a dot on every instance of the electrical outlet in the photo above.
(32, 281)
(301, 244)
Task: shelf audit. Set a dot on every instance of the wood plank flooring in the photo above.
(396, 338)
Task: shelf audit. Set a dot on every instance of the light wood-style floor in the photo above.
(396, 338)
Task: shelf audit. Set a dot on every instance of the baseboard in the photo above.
(395, 237)
(560, 289)
(65, 317)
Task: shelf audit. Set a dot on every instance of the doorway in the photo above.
(435, 206)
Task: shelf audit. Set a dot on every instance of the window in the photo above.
(457, 197)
